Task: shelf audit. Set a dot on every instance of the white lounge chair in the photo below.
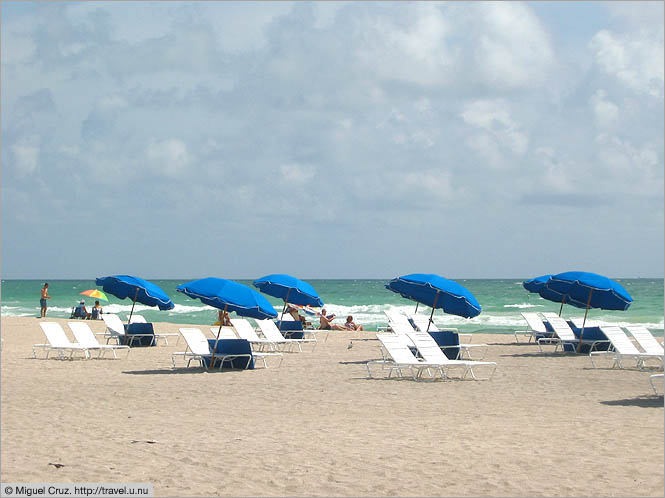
(225, 333)
(398, 356)
(646, 340)
(534, 327)
(198, 348)
(272, 333)
(622, 348)
(395, 316)
(86, 338)
(58, 341)
(563, 334)
(228, 333)
(652, 381)
(115, 329)
(141, 319)
(431, 352)
(464, 349)
(402, 329)
(245, 331)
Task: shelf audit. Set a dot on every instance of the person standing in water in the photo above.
(42, 301)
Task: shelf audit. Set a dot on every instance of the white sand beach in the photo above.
(544, 425)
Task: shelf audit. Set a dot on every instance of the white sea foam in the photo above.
(181, 308)
(523, 305)
(369, 316)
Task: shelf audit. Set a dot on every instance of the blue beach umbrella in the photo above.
(538, 285)
(229, 296)
(137, 289)
(597, 291)
(436, 292)
(289, 289)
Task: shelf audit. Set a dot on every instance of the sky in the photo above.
(331, 140)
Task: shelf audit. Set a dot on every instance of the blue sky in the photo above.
(331, 140)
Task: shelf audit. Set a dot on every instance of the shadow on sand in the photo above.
(650, 401)
(544, 354)
(177, 371)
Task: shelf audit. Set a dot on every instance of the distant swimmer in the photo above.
(42, 301)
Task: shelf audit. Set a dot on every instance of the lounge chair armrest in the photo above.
(470, 337)
(594, 343)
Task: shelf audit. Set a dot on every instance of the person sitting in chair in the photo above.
(294, 314)
(96, 311)
(81, 312)
(223, 318)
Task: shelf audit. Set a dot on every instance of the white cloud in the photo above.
(635, 59)
(627, 168)
(26, 157)
(111, 102)
(415, 51)
(398, 107)
(168, 157)
(16, 48)
(69, 150)
(296, 174)
(494, 117)
(606, 112)
(70, 49)
(513, 48)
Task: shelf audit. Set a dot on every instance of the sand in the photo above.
(544, 425)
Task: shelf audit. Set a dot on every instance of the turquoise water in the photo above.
(501, 300)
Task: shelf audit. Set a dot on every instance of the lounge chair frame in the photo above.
(431, 352)
(622, 348)
(198, 348)
(86, 337)
(58, 342)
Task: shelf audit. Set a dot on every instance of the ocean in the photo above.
(502, 300)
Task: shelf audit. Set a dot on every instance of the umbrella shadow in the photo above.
(538, 354)
(649, 401)
(179, 371)
(358, 362)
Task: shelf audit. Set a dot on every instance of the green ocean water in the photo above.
(501, 301)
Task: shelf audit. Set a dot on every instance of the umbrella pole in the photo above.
(436, 298)
(129, 320)
(219, 331)
(586, 312)
(562, 301)
(286, 300)
(416, 308)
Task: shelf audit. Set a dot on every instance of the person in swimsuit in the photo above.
(96, 311)
(351, 325)
(326, 322)
(223, 318)
(294, 314)
(42, 301)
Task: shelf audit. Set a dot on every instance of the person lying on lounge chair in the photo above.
(326, 322)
